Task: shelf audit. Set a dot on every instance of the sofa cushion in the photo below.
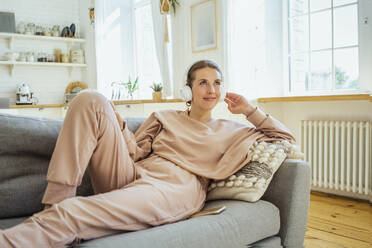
(37, 136)
(27, 143)
(28, 135)
(9, 222)
(242, 223)
(23, 182)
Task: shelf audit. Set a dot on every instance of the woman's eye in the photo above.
(203, 83)
(218, 83)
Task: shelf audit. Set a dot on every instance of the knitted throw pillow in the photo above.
(251, 181)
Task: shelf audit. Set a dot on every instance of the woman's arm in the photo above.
(145, 135)
(139, 144)
(264, 123)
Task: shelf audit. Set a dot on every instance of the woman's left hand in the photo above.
(237, 104)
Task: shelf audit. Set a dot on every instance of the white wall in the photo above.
(48, 83)
(291, 113)
(182, 47)
(365, 45)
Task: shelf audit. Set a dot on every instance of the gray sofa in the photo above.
(279, 219)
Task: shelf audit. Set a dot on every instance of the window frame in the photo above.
(287, 55)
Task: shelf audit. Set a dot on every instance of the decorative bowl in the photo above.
(12, 56)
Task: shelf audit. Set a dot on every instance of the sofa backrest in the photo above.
(26, 146)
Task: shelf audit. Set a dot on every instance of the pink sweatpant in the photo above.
(129, 196)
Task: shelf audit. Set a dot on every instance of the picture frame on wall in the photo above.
(203, 26)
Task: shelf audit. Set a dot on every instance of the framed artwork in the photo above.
(203, 26)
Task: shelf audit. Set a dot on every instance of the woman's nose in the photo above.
(211, 89)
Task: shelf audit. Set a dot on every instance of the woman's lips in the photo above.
(209, 98)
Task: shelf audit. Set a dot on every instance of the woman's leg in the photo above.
(91, 134)
(164, 193)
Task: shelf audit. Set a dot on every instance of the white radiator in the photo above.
(340, 153)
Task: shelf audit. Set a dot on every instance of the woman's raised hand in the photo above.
(237, 104)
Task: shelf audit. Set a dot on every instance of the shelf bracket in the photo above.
(10, 42)
(11, 69)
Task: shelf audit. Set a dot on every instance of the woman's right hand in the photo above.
(237, 104)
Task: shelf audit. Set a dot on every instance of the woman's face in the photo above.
(206, 88)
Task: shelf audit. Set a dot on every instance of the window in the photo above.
(147, 66)
(323, 45)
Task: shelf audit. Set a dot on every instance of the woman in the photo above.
(159, 175)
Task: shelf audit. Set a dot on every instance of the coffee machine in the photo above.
(24, 95)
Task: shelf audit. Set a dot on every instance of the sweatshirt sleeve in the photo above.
(269, 126)
(139, 144)
(145, 135)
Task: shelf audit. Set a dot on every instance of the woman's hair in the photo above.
(197, 66)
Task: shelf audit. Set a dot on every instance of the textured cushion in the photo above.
(242, 223)
(251, 181)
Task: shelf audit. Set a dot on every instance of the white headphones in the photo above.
(186, 93)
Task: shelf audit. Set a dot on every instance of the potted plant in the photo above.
(157, 88)
(166, 4)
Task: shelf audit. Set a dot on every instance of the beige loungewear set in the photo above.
(157, 176)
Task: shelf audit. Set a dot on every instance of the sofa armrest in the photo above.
(289, 190)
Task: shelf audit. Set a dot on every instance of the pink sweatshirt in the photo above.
(215, 149)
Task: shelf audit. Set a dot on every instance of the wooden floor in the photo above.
(336, 221)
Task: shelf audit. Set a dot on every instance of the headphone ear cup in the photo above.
(186, 93)
(222, 94)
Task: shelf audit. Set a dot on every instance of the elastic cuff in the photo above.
(256, 117)
(251, 112)
(56, 192)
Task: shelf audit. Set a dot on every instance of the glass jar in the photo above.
(21, 28)
(47, 31)
(55, 31)
(39, 30)
(30, 57)
(22, 57)
(30, 29)
(51, 58)
(41, 57)
(64, 58)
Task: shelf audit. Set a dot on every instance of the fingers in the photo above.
(233, 97)
(227, 100)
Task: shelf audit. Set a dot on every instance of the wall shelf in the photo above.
(13, 64)
(11, 37)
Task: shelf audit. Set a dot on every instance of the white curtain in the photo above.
(254, 63)
(99, 37)
(246, 47)
(161, 45)
(114, 59)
